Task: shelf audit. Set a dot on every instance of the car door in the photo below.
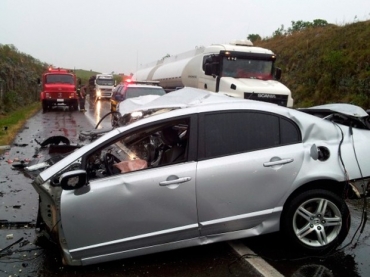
(132, 210)
(248, 162)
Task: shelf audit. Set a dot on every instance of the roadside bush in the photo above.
(10, 101)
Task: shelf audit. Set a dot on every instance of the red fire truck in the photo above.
(58, 87)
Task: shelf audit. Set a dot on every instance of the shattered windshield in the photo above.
(237, 67)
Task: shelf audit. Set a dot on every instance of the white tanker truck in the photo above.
(238, 69)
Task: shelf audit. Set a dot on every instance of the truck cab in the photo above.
(249, 75)
(104, 84)
(58, 88)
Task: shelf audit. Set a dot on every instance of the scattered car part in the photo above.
(55, 140)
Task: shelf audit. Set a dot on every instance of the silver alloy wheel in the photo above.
(317, 222)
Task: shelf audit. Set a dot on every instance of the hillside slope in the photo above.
(325, 64)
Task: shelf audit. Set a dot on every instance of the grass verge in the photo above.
(14, 121)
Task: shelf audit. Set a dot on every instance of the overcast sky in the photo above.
(120, 35)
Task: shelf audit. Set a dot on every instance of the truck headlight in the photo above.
(98, 93)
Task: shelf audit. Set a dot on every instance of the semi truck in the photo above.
(104, 84)
(238, 69)
(58, 87)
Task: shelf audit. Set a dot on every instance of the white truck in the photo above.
(237, 69)
(104, 84)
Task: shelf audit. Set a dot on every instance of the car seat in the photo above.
(174, 148)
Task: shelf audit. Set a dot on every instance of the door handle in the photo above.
(175, 181)
(278, 162)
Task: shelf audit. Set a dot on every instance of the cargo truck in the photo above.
(58, 87)
(237, 69)
(104, 84)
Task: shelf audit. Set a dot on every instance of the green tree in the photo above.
(319, 23)
(298, 26)
(254, 37)
(279, 32)
(167, 56)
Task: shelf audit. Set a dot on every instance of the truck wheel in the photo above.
(44, 107)
(75, 105)
(316, 221)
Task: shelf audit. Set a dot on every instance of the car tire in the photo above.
(316, 221)
(75, 105)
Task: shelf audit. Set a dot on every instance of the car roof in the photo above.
(192, 100)
(183, 99)
(191, 97)
(188, 97)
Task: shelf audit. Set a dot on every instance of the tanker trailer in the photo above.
(237, 69)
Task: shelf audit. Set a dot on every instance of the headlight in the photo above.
(98, 92)
(136, 115)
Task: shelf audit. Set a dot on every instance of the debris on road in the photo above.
(54, 140)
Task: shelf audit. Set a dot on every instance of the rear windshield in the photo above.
(136, 92)
(59, 78)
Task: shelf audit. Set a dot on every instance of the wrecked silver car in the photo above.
(211, 168)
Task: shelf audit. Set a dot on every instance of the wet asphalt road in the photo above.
(18, 206)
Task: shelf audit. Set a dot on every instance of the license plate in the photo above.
(60, 100)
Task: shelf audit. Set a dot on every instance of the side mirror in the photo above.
(38, 81)
(215, 68)
(208, 69)
(277, 73)
(212, 69)
(73, 179)
(79, 81)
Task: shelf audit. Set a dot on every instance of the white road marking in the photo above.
(257, 262)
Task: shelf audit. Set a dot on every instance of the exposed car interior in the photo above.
(146, 148)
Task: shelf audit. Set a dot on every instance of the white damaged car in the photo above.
(210, 168)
